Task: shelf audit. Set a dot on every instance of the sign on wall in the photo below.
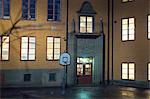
(65, 59)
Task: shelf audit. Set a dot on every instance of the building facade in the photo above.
(108, 41)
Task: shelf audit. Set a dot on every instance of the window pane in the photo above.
(0, 8)
(50, 48)
(52, 77)
(5, 48)
(24, 39)
(124, 0)
(79, 69)
(57, 9)
(27, 77)
(50, 9)
(131, 20)
(131, 37)
(6, 8)
(0, 46)
(32, 8)
(148, 71)
(24, 56)
(82, 19)
(131, 26)
(82, 24)
(89, 30)
(24, 48)
(31, 48)
(25, 9)
(31, 57)
(131, 71)
(148, 26)
(124, 71)
(125, 27)
(56, 48)
(124, 37)
(124, 21)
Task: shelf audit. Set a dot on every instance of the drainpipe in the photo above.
(112, 40)
(67, 37)
(108, 37)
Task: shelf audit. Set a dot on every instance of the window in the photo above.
(86, 24)
(52, 77)
(28, 9)
(127, 0)
(128, 71)
(148, 26)
(4, 48)
(5, 8)
(149, 71)
(54, 10)
(27, 77)
(128, 29)
(53, 48)
(28, 48)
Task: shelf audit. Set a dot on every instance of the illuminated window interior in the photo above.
(128, 71)
(86, 24)
(53, 48)
(4, 49)
(148, 71)
(127, 0)
(28, 48)
(128, 29)
(148, 26)
(84, 60)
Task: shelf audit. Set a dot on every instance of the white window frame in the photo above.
(148, 35)
(28, 48)
(128, 29)
(4, 48)
(54, 10)
(86, 24)
(148, 71)
(53, 48)
(128, 71)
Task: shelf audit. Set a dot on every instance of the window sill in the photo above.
(87, 35)
(5, 17)
(51, 20)
(28, 19)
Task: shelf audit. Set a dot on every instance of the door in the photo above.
(84, 73)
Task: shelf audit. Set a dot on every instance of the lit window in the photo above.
(5, 8)
(53, 48)
(131, 71)
(128, 29)
(79, 69)
(86, 24)
(54, 10)
(28, 9)
(4, 47)
(148, 71)
(28, 48)
(128, 71)
(124, 71)
(148, 26)
(127, 0)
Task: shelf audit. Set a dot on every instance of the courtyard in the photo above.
(77, 92)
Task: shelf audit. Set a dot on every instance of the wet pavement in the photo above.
(101, 92)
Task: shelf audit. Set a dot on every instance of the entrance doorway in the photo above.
(84, 70)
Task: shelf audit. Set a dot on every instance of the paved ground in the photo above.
(102, 92)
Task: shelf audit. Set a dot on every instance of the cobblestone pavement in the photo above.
(101, 92)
